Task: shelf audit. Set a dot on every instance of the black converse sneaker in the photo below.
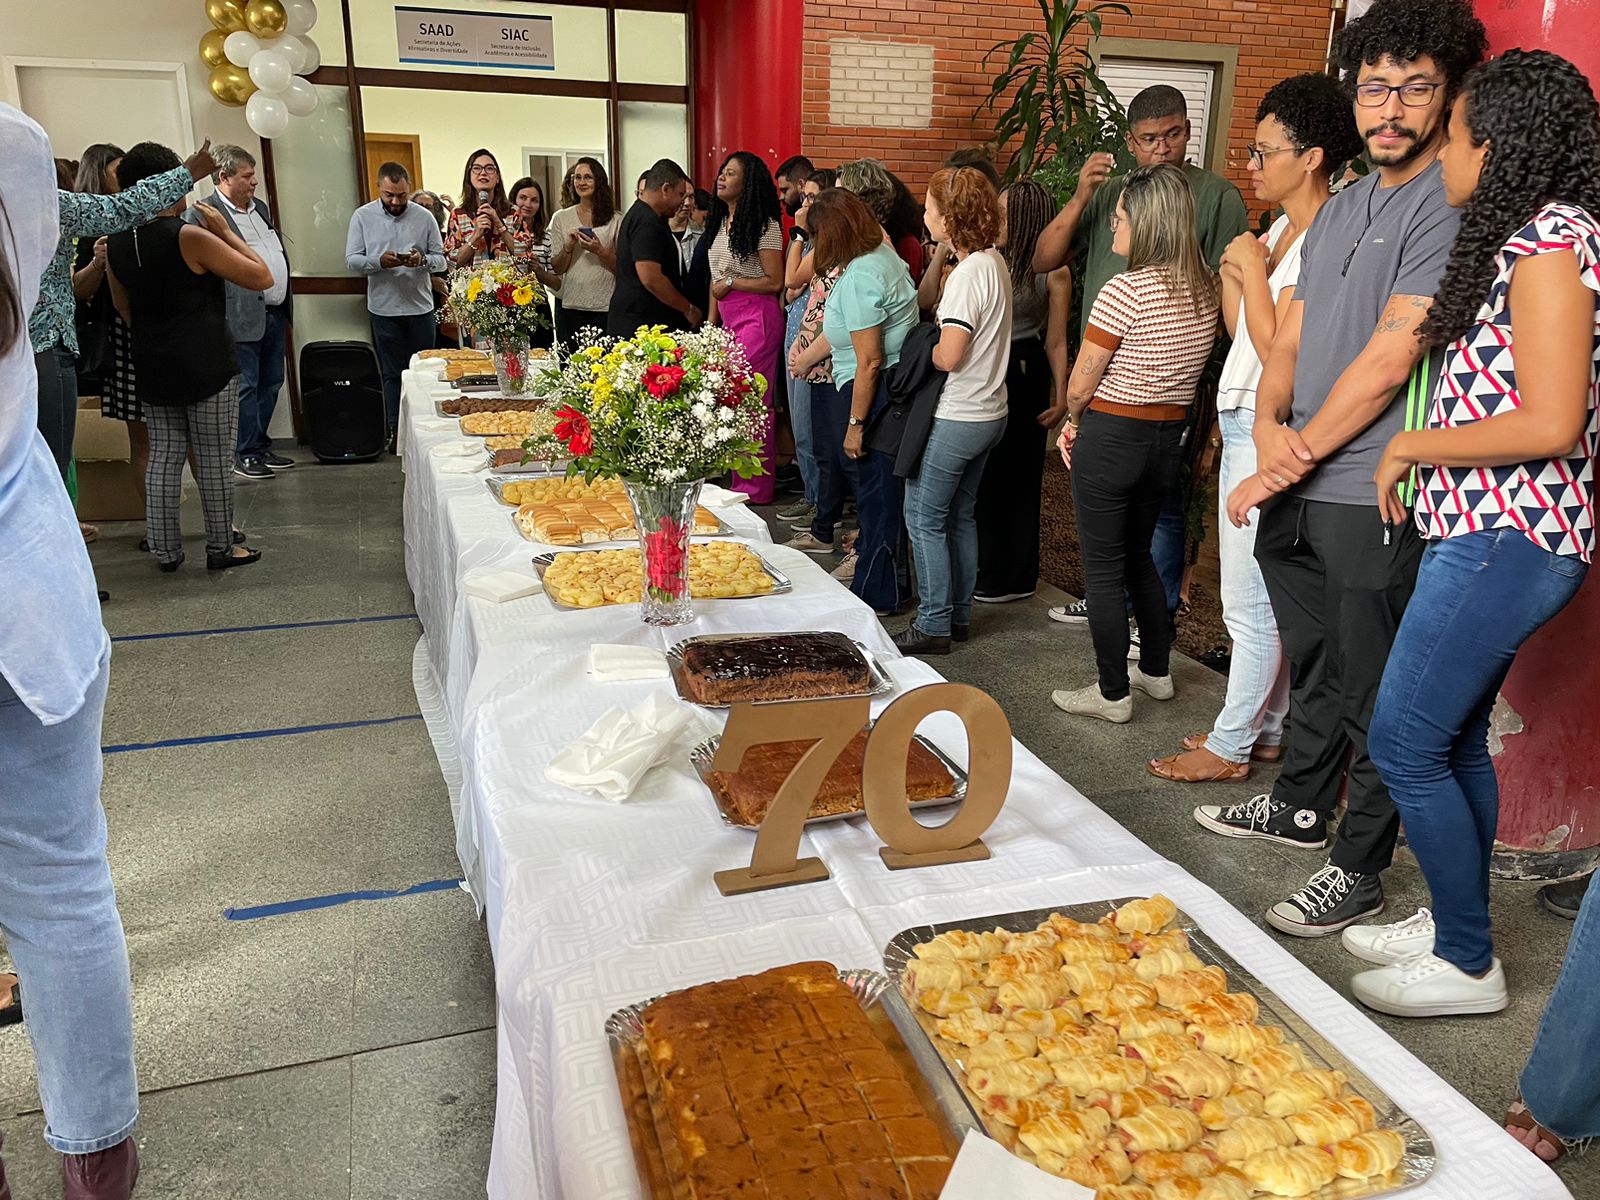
(1265, 818)
(1332, 899)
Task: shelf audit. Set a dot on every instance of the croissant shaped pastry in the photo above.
(1157, 1165)
(1041, 938)
(1126, 996)
(1237, 1040)
(1261, 1069)
(1294, 1171)
(1197, 1074)
(1088, 949)
(1148, 943)
(1165, 962)
(1299, 1091)
(942, 974)
(1019, 1110)
(941, 1003)
(1329, 1121)
(1143, 1022)
(970, 1026)
(1224, 1008)
(1021, 1078)
(1067, 927)
(1145, 916)
(1161, 1127)
(1079, 1041)
(1095, 976)
(1044, 1022)
(1187, 987)
(962, 943)
(1249, 1136)
(1125, 1191)
(1106, 1169)
(1125, 1104)
(1001, 1047)
(1099, 1073)
(1219, 1112)
(1032, 991)
(1226, 1184)
(1374, 1153)
(1160, 1049)
(1035, 961)
(1066, 1133)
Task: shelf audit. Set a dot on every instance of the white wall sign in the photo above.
(469, 39)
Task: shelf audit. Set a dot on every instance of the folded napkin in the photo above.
(499, 584)
(612, 757)
(437, 425)
(459, 450)
(984, 1168)
(713, 496)
(462, 466)
(610, 662)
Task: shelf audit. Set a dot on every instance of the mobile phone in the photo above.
(586, 231)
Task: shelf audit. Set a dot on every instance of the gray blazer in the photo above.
(247, 310)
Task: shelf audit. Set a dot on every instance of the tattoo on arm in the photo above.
(1404, 312)
(1091, 362)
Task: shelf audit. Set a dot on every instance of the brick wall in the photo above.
(877, 117)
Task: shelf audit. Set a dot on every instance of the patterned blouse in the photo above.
(525, 245)
(1552, 501)
(458, 232)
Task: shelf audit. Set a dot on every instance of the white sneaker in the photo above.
(1088, 702)
(1427, 986)
(1393, 943)
(1157, 687)
(1075, 613)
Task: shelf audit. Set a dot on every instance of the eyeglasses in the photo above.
(1258, 155)
(485, 169)
(1149, 141)
(1412, 95)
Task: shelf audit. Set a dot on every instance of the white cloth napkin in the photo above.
(609, 663)
(498, 584)
(984, 1169)
(713, 496)
(437, 425)
(614, 755)
(430, 366)
(462, 466)
(459, 450)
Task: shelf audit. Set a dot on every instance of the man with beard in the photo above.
(1329, 401)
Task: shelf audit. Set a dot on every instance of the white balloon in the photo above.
(267, 115)
(313, 54)
(302, 15)
(270, 70)
(301, 98)
(241, 46)
(294, 49)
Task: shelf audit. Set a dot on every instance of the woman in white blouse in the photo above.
(583, 239)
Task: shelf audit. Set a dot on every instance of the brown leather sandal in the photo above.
(1198, 766)
(1518, 1117)
(1260, 754)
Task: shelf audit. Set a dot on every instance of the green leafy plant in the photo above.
(1053, 98)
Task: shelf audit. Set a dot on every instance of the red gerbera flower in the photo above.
(572, 429)
(503, 294)
(662, 382)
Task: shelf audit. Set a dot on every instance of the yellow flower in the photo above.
(523, 295)
(474, 288)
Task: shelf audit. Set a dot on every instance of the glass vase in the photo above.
(664, 515)
(511, 366)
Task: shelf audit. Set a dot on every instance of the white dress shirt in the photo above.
(263, 239)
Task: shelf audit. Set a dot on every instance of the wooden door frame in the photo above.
(413, 140)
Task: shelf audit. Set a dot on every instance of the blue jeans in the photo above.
(59, 914)
(58, 402)
(260, 378)
(881, 579)
(1166, 547)
(1478, 598)
(1560, 1085)
(800, 408)
(1258, 678)
(396, 339)
(941, 508)
(836, 474)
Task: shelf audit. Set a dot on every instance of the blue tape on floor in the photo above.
(292, 906)
(253, 734)
(185, 633)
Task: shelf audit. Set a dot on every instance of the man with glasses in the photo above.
(1158, 132)
(1346, 371)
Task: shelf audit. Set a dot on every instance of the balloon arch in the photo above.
(257, 52)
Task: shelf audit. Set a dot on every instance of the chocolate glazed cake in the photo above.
(783, 666)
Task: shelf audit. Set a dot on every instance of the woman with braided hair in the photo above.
(1505, 496)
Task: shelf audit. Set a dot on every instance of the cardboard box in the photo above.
(107, 483)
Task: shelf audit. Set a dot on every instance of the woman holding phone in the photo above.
(583, 240)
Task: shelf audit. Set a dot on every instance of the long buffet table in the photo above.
(592, 906)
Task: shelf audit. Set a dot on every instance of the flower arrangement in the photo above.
(502, 301)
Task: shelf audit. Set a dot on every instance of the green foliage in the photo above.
(1056, 106)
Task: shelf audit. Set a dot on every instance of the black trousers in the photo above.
(1339, 583)
(396, 339)
(58, 402)
(1013, 479)
(1122, 470)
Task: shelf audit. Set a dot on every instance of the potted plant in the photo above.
(503, 302)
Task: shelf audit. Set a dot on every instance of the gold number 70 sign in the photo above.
(831, 724)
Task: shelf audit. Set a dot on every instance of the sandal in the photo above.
(1260, 754)
(1198, 766)
(1518, 1118)
(11, 1010)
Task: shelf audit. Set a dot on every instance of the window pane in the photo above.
(314, 170)
(580, 38)
(651, 47)
(650, 131)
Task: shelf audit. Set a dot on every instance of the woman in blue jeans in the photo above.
(974, 349)
(1505, 496)
(57, 908)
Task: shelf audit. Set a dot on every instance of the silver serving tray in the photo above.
(721, 531)
(1420, 1157)
(534, 466)
(662, 1174)
(878, 679)
(780, 582)
(700, 758)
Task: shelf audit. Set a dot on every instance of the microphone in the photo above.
(483, 198)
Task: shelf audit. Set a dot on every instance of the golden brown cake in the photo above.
(781, 666)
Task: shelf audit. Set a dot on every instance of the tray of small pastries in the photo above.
(721, 669)
(558, 511)
(592, 578)
(461, 406)
(743, 796)
(1114, 1044)
(793, 1084)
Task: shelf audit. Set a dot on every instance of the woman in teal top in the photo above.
(870, 310)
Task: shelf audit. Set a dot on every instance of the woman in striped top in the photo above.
(1149, 335)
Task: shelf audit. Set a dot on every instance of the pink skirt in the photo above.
(757, 321)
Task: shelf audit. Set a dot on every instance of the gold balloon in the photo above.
(211, 48)
(265, 18)
(230, 84)
(226, 15)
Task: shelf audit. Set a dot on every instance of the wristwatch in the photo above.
(857, 421)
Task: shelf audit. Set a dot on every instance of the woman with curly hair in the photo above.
(478, 228)
(1305, 134)
(1505, 496)
(746, 260)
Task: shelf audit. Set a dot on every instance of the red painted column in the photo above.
(747, 59)
(1548, 718)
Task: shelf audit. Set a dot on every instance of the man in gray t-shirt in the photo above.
(1346, 371)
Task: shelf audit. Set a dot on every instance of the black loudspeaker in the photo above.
(341, 395)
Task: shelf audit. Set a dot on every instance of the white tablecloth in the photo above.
(592, 906)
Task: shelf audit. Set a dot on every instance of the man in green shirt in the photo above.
(1158, 132)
